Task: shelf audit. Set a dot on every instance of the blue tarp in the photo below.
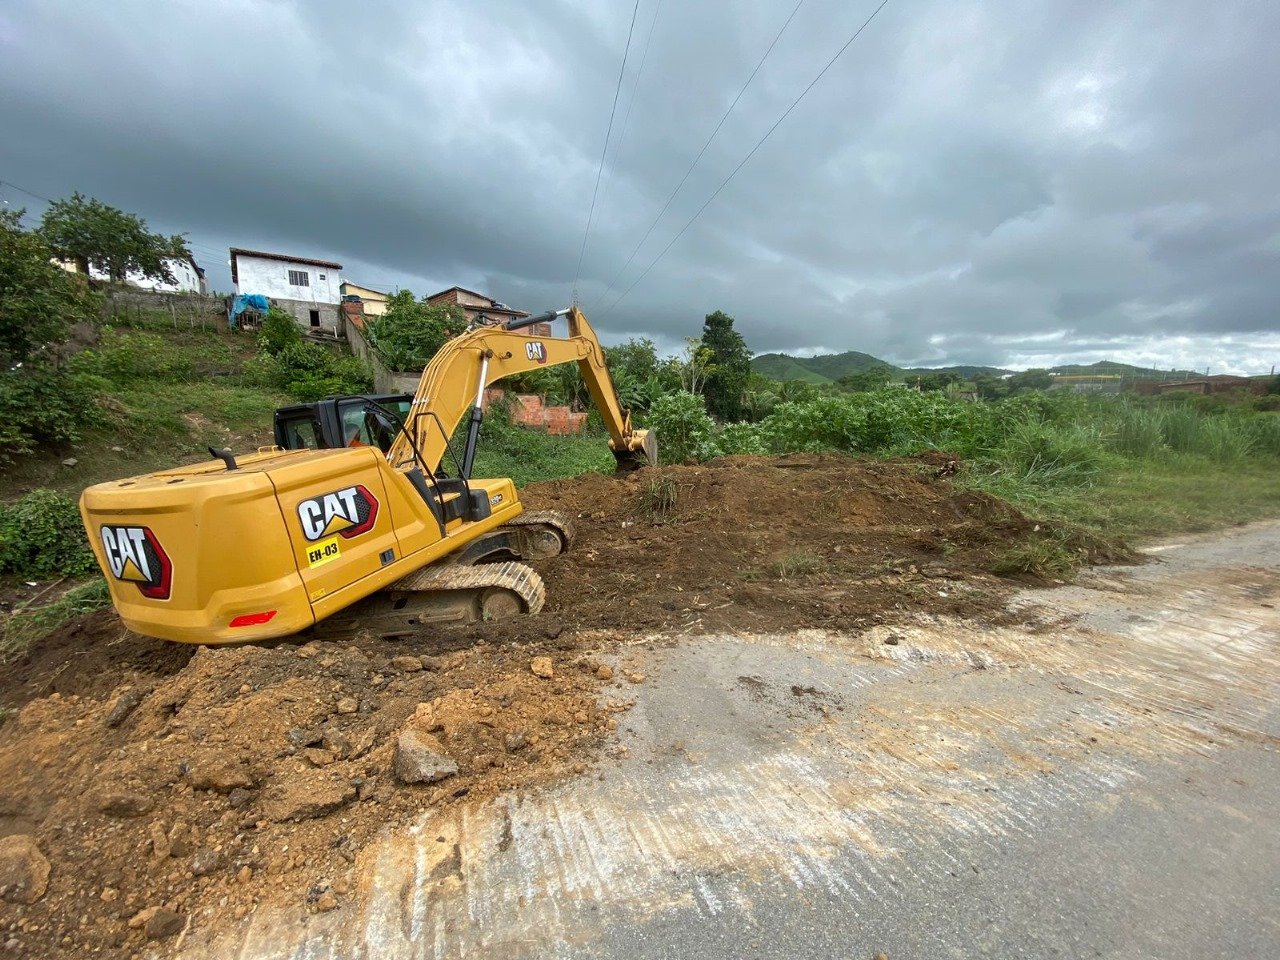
(247, 301)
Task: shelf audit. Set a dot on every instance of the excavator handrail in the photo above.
(451, 384)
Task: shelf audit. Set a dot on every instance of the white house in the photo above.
(308, 289)
(187, 277)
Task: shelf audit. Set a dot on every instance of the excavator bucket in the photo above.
(642, 451)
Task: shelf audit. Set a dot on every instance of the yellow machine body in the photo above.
(277, 541)
(207, 555)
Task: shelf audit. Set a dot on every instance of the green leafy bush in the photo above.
(411, 332)
(43, 404)
(740, 438)
(279, 330)
(309, 371)
(42, 536)
(684, 429)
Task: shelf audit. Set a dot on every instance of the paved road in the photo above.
(1097, 780)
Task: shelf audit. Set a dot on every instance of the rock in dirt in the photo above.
(24, 871)
(163, 923)
(326, 902)
(238, 798)
(348, 705)
(123, 803)
(204, 862)
(124, 705)
(604, 672)
(219, 773)
(406, 663)
(541, 667)
(306, 795)
(419, 760)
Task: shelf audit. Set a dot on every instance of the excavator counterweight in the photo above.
(265, 545)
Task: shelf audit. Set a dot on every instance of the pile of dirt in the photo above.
(171, 788)
(772, 543)
(259, 773)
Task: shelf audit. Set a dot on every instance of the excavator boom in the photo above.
(455, 379)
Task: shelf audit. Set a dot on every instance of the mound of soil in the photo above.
(259, 773)
(172, 787)
(771, 543)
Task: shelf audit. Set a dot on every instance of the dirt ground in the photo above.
(173, 788)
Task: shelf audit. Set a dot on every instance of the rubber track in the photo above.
(550, 518)
(508, 575)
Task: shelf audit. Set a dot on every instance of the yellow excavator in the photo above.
(266, 545)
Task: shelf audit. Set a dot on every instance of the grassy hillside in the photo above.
(826, 368)
(779, 366)
(165, 396)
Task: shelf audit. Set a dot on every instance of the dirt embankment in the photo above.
(171, 789)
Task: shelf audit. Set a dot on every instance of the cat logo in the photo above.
(135, 556)
(348, 512)
(534, 350)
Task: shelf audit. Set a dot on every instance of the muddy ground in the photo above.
(170, 789)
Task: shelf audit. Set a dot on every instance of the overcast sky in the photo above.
(971, 182)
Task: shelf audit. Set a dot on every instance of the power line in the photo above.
(7, 183)
(631, 102)
(608, 132)
(685, 178)
(725, 182)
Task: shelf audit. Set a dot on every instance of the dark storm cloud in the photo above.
(970, 183)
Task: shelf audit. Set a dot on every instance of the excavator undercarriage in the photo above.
(484, 581)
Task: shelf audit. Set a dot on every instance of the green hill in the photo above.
(825, 368)
(779, 366)
(830, 367)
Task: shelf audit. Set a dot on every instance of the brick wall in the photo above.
(530, 410)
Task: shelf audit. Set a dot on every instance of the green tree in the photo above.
(868, 380)
(1033, 379)
(41, 400)
(91, 233)
(730, 363)
(411, 332)
(635, 359)
(931, 382)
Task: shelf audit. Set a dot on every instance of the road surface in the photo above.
(1097, 777)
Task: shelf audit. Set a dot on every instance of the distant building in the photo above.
(374, 301)
(308, 289)
(482, 309)
(188, 277)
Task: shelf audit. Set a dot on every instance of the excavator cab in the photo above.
(342, 421)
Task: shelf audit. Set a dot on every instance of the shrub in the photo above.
(740, 438)
(684, 429)
(278, 331)
(42, 536)
(43, 404)
(308, 371)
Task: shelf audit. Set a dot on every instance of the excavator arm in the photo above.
(454, 383)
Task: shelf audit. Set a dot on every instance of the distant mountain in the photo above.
(827, 368)
(962, 370)
(779, 366)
